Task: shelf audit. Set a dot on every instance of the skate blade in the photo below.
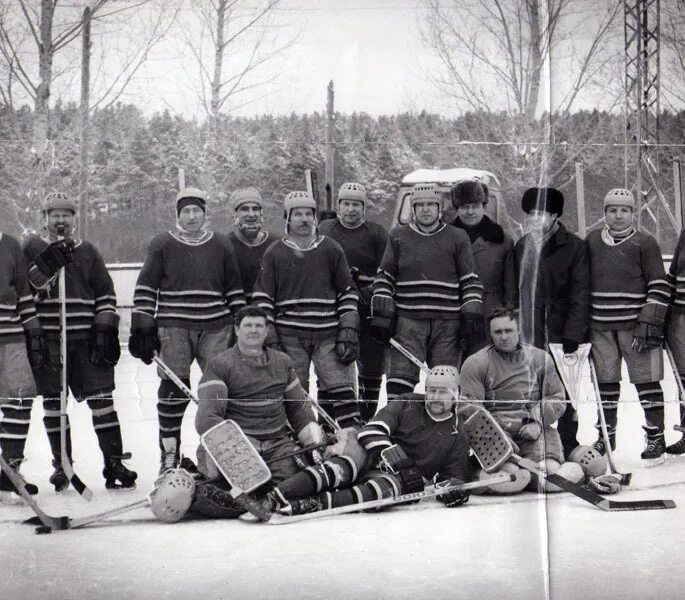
(118, 488)
(654, 462)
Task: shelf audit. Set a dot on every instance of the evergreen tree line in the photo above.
(134, 162)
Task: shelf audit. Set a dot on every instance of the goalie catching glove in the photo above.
(454, 498)
(605, 484)
(395, 460)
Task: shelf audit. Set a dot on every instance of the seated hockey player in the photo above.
(258, 388)
(411, 440)
(519, 385)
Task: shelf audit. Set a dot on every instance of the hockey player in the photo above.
(519, 385)
(364, 243)
(554, 285)
(258, 388)
(427, 291)
(306, 288)
(675, 332)
(493, 250)
(411, 440)
(629, 300)
(249, 239)
(185, 297)
(92, 337)
(22, 346)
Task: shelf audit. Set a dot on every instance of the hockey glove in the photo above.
(55, 256)
(394, 460)
(647, 336)
(37, 348)
(529, 431)
(347, 342)
(143, 343)
(605, 484)
(472, 329)
(569, 346)
(382, 318)
(454, 498)
(104, 340)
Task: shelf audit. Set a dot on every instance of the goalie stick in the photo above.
(239, 463)
(65, 462)
(429, 492)
(624, 478)
(493, 447)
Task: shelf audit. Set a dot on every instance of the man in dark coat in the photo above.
(554, 285)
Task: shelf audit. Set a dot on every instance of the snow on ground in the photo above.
(490, 548)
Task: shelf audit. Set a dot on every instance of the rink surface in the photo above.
(490, 548)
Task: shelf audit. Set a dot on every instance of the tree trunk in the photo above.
(536, 60)
(215, 105)
(46, 53)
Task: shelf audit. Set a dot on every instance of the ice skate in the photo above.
(117, 475)
(302, 506)
(653, 454)
(677, 448)
(59, 478)
(9, 493)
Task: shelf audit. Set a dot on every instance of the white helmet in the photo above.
(240, 197)
(591, 461)
(425, 192)
(352, 191)
(173, 495)
(298, 200)
(619, 197)
(445, 376)
(58, 200)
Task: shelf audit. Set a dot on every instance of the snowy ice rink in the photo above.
(490, 548)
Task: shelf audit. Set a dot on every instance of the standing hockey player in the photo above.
(249, 239)
(306, 288)
(364, 243)
(630, 297)
(493, 250)
(92, 337)
(258, 388)
(519, 385)
(675, 332)
(409, 441)
(426, 290)
(183, 306)
(22, 346)
(554, 286)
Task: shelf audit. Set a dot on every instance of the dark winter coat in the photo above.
(493, 254)
(559, 283)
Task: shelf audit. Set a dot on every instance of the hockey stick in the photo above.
(485, 433)
(46, 522)
(329, 439)
(408, 355)
(330, 421)
(65, 462)
(679, 383)
(174, 378)
(429, 492)
(624, 478)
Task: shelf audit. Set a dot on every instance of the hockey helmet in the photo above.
(445, 376)
(297, 200)
(58, 200)
(591, 461)
(240, 197)
(352, 191)
(172, 496)
(425, 192)
(619, 197)
(190, 195)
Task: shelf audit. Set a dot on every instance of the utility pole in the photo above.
(330, 148)
(83, 204)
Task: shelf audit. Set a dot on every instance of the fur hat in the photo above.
(548, 199)
(469, 192)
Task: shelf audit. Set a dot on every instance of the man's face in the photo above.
(427, 213)
(302, 221)
(504, 332)
(191, 218)
(249, 217)
(60, 218)
(471, 214)
(439, 401)
(351, 212)
(618, 218)
(251, 332)
(539, 222)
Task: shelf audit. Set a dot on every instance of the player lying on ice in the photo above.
(518, 384)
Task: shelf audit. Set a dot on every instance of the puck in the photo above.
(43, 529)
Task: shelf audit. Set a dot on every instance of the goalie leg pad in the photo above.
(213, 501)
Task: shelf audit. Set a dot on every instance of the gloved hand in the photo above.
(529, 431)
(382, 318)
(55, 256)
(647, 336)
(472, 329)
(143, 343)
(37, 348)
(605, 484)
(104, 340)
(347, 342)
(569, 346)
(454, 498)
(394, 460)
